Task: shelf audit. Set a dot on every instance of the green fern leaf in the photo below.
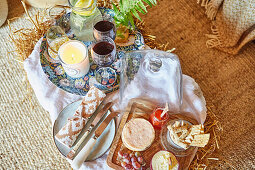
(130, 17)
(148, 2)
(138, 8)
(126, 5)
(128, 9)
(136, 14)
(154, 2)
(121, 6)
(115, 8)
(140, 3)
(125, 20)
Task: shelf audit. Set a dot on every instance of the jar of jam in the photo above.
(156, 120)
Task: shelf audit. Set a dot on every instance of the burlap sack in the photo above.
(233, 23)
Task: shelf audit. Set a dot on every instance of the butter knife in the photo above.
(84, 153)
(97, 119)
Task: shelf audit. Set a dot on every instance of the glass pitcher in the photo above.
(81, 18)
(152, 75)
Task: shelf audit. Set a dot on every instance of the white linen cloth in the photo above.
(54, 99)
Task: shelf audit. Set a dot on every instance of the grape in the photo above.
(123, 164)
(127, 160)
(131, 155)
(120, 154)
(170, 161)
(136, 165)
(128, 166)
(133, 159)
(143, 168)
(137, 154)
(125, 155)
(140, 160)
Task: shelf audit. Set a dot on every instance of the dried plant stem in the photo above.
(216, 141)
(204, 155)
(213, 159)
(24, 6)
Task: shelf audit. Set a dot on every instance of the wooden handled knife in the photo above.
(97, 119)
(84, 153)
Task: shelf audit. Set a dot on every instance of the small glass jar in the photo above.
(60, 18)
(156, 120)
(168, 143)
(55, 38)
(81, 20)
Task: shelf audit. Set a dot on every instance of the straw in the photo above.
(164, 111)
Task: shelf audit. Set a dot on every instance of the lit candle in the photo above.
(74, 58)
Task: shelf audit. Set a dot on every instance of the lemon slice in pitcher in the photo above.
(85, 4)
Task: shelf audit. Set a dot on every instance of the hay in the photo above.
(25, 39)
(204, 155)
(149, 39)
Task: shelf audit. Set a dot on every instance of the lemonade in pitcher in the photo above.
(81, 18)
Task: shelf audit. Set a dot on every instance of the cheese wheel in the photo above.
(138, 134)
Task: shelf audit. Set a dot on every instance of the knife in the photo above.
(84, 153)
(98, 117)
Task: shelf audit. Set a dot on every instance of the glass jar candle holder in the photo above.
(74, 58)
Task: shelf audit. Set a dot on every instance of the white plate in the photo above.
(103, 142)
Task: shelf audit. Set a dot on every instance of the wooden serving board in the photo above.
(139, 108)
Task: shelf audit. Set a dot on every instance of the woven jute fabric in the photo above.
(26, 140)
(233, 25)
(227, 82)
